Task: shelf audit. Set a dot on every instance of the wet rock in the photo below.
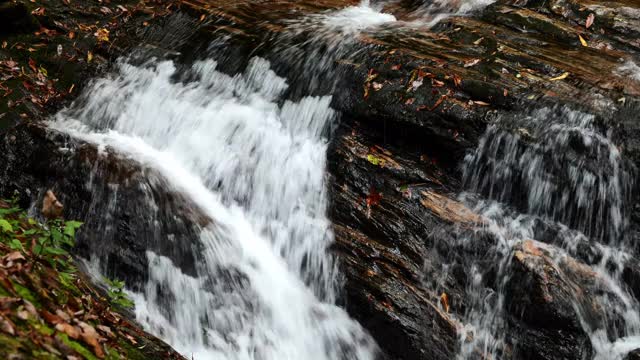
(16, 18)
(541, 295)
(386, 243)
(634, 355)
(129, 209)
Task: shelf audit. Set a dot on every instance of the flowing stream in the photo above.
(254, 162)
(555, 184)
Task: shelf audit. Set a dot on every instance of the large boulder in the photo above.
(127, 209)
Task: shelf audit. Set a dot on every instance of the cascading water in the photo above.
(561, 172)
(254, 163)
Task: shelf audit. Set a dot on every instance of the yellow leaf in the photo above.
(561, 77)
(375, 160)
(583, 41)
(102, 35)
(89, 56)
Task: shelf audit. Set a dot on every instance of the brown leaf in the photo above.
(590, 20)
(14, 256)
(7, 326)
(51, 207)
(71, 35)
(471, 62)
(7, 302)
(457, 80)
(50, 318)
(444, 301)
(39, 11)
(373, 198)
(106, 330)
(68, 329)
(30, 308)
(32, 65)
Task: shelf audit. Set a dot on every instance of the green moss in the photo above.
(9, 344)
(44, 355)
(25, 293)
(132, 353)
(3, 291)
(76, 346)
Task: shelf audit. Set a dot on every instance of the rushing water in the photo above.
(254, 162)
(554, 169)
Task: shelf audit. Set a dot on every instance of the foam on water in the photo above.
(629, 70)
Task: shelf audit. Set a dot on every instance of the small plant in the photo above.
(117, 296)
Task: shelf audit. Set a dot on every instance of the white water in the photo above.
(257, 169)
(254, 163)
(629, 70)
(571, 178)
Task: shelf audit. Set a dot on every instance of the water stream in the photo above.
(554, 181)
(254, 162)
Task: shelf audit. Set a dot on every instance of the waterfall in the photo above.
(253, 161)
(554, 169)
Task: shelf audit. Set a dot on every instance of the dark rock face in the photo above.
(15, 18)
(128, 209)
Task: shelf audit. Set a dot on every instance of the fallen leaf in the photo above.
(51, 318)
(22, 314)
(376, 86)
(7, 326)
(457, 80)
(371, 75)
(89, 56)
(68, 329)
(561, 77)
(102, 35)
(106, 330)
(590, 20)
(32, 65)
(477, 42)
(14, 256)
(444, 301)
(373, 198)
(583, 41)
(39, 11)
(375, 160)
(410, 101)
(481, 103)
(416, 84)
(396, 67)
(471, 62)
